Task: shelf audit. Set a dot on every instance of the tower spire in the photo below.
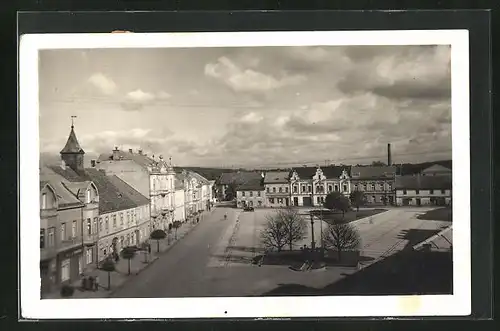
(72, 123)
(72, 153)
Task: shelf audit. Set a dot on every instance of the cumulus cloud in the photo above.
(103, 83)
(248, 80)
(138, 99)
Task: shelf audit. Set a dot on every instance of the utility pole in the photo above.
(313, 244)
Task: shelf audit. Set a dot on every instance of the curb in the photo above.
(150, 263)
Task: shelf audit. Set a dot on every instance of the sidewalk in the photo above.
(140, 262)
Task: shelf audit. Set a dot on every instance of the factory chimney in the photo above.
(389, 158)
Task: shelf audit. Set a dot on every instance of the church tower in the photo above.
(72, 154)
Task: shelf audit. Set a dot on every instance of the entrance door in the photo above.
(419, 202)
(295, 201)
(307, 201)
(287, 203)
(406, 202)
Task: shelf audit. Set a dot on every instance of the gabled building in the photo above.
(423, 190)
(310, 185)
(69, 202)
(277, 186)
(152, 176)
(124, 218)
(229, 181)
(376, 182)
(251, 194)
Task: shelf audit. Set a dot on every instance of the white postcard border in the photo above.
(255, 307)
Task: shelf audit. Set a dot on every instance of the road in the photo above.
(178, 272)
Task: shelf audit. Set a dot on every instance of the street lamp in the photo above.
(313, 244)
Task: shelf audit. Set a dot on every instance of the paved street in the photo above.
(214, 259)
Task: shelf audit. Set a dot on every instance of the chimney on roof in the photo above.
(130, 150)
(92, 163)
(389, 158)
(116, 153)
(140, 151)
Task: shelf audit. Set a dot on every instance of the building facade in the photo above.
(227, 183)
(277, 187)
(423, 190)
(251, 194)
(376, 183)
(151, 176)
(69, 202)
(310, 185)
(124, 218)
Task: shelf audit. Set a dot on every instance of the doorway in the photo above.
(307, 201)
(295, 201)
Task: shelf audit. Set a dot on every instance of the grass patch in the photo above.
(337, 217)
(440, 214)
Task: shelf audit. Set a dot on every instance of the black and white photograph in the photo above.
(245, 174)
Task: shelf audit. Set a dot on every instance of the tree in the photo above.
(357, 199)
(231, 191)
(108, 265)
(176, 225)
(128, 253)
(274, 235)
(378, 163)
(158, 235)
(341, 237)
(295, 225)
(335, 200)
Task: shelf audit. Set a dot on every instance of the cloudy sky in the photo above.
(251, 106)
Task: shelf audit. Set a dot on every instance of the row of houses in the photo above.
(87, 214)
(309, 186)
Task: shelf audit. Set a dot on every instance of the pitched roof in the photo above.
(198, 177)
(69, 174)
(111, 198)
(436, 168)
(65, 197)
(141, 159)
(423, 182)
(238, 178)
(72, 145)
(373, 172)
(251, 185)
(129, 191)
(276, 177)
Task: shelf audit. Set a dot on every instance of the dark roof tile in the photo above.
(423, 182)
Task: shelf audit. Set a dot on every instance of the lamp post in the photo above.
(313, 244)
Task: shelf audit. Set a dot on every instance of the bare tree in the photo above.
(341, 237)
(295, 225)
(274, 235)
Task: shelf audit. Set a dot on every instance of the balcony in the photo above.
(70, 242)
(90, 239)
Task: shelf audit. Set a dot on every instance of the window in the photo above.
(345, 187)
(329, 188)
(63, 231)
(107, 223)
(88, 255)
(321, 188)
(94, 228)
(42, 238)
(65, 270)
(114, 220)
(121, 218)
(122, 239)
(242, 193)
(258, 193)
(44, 201)
(431, 191)
(336, 187)
(280, 189)
(303, 188)
(309, 188)
(355, 187)
(373, 186)
(318, 200)
(417, 191)
(317, 188)
(51, 238)
(274, 189)
(251, 193)
(404, 192)
(73, 230)
(295, 189)
(89, 226)
(389, 187)
(443, 191)
(271, 200)
(127, 242)
(286, 189)
(267, 189)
